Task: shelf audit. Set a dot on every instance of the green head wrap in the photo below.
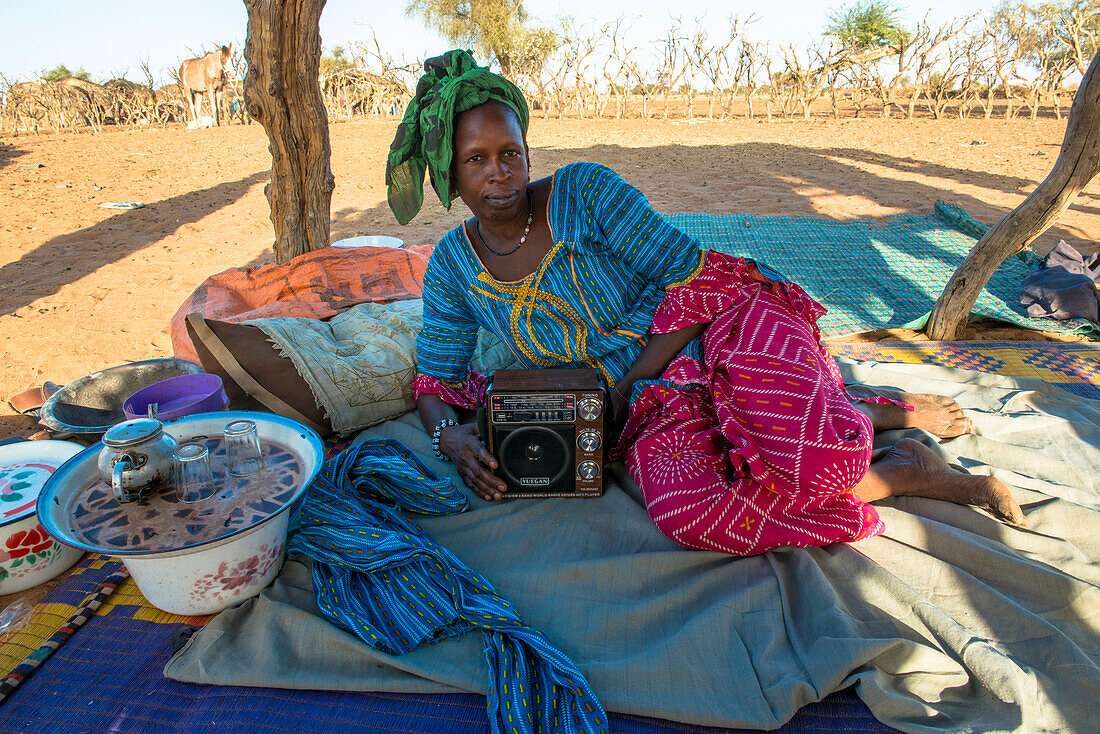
(452, 83)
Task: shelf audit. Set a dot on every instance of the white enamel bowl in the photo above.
(201, 576)
(369, 240)
(215, 576)
(28, 555)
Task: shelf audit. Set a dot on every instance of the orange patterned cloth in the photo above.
(316, 285)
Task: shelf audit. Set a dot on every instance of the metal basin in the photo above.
(94, 403)
(193, 558)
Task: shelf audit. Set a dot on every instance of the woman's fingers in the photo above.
(486, 458)
(483, 482)
(473, 460)
(477, 468)
(486, 487)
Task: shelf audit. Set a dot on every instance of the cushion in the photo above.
(357, 367)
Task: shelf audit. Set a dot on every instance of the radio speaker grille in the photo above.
(537, 458)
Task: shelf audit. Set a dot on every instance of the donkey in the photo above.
(204, 75)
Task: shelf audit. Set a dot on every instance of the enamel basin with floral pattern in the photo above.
(28, 555)
(201, 557)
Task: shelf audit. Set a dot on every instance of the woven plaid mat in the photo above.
(108, 676)
(874, 273)
(1072, 367)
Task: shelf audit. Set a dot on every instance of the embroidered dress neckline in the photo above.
(484, 271)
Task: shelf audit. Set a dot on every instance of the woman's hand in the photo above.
(462, 445)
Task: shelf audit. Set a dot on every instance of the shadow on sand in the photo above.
(26, 279)
(8, 154)
(762, 179)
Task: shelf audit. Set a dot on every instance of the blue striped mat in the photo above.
(874, 274)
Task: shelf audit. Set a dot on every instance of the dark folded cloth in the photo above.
(1063, 255)
(1066, 286)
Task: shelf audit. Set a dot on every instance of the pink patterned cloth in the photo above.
(760, 447)
(469, 394)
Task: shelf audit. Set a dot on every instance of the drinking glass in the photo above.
(242, 448)
(191, 474)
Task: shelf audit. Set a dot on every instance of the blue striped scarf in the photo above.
(381, 577)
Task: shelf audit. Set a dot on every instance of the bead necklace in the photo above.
(526, 230)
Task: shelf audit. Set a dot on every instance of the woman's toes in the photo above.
(940, 415)
(956, 427)
(1000, 500)
(911, 468)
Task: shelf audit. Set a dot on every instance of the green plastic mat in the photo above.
(875, 274)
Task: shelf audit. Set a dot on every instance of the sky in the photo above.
(107, 39)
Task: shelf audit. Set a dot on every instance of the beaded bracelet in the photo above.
(445, 423)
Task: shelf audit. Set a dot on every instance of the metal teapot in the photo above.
(136, 458)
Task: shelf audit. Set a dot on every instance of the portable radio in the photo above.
(547, 429)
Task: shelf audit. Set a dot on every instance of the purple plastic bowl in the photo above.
(177, 397)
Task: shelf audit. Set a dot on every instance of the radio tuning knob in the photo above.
(589, 440)
(589, 409)
(588, 470)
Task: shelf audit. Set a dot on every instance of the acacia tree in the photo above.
(753, 60)
(1078, 27)
(803, 79)
(713, 59)
(282, 92)
(61, 71)
(570, 62)
(866, 32)
(616, 65)
(867, 25)
(997, 59)
(638, 76)
(529, 64)
(930, 47)
(674, 64)
(976, 73)
(495, 28)
(579, 44)
(941, 83)
(1009, 25)
(1050, 52)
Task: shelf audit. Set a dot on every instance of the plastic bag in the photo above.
(15, 616)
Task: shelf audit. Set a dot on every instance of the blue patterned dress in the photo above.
(747, 441)
(590, 302)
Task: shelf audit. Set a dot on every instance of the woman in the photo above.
(736, 426)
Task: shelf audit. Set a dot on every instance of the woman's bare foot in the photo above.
(939, 415)
(912, 469)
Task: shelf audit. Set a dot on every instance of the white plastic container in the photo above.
(369, 240)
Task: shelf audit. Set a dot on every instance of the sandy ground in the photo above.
(83, 288)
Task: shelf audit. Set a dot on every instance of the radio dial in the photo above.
(589, 409)
(588, 470)
(589, 440)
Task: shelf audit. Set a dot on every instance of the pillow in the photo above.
(357, 368)
(251, 352)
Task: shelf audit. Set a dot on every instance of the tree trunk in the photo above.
(1077, 164)
(282, 92)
